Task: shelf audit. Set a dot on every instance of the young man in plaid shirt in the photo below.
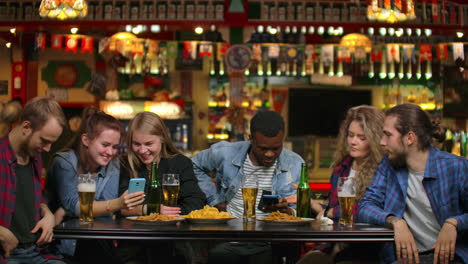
(25, 220)
(419, 191)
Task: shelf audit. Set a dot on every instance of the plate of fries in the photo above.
(277, 218)
(208, 215)
(155, 219)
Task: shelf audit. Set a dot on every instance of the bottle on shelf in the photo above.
(154, 191)
(303, 194)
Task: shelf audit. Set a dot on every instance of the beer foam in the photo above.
(346, 194)
(86, 187)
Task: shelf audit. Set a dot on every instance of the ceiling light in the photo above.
(260, 29)
(460, 34)
(199, 30)
(74, 30)
(13, 30)
(155, 28)
(8, 44)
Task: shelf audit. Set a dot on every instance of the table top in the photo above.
(233, 230)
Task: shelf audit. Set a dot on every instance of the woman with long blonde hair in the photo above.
(356, 158)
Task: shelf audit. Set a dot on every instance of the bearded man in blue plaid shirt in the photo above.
(419, 191)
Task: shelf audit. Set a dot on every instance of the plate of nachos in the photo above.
(155, 219)
(277, 218)
(208, 215)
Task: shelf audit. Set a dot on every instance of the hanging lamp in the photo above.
(63, 9)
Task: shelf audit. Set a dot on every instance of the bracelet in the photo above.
(450, 223)
(108, 209)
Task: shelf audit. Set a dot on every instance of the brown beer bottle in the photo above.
(154, 191)
(303, 194)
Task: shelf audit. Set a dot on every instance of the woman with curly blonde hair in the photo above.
(356, 158)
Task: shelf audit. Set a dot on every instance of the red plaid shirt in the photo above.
(341, 172)
(8, 163)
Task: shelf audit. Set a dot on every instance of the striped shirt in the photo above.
(264, 176)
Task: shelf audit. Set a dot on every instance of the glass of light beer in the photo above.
(346, 196)
(171, 187)
(249, 196)
(86, 191)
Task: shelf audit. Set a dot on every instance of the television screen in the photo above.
(320, 111)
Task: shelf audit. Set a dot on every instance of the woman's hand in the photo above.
(172, 211)
(130, 201)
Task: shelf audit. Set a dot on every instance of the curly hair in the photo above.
(371, 120)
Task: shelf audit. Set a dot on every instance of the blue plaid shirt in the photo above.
(446, 185)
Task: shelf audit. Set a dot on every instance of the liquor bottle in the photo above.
(303, 194)
(154, 191)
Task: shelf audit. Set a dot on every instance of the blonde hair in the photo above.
(151, 124)
(371, 120)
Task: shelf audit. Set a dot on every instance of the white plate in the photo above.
(148, 222)
(208, 220)
(287, 222)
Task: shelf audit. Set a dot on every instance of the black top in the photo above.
(191, 196)
(23, 217)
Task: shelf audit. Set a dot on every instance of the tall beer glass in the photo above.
(346, 196)
(86, 191)
(171, 187)
(249, 196)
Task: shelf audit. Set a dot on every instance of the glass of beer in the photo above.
(171, 186)
(86, 191)
(346, 196)
(249, 196)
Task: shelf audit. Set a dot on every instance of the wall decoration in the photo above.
(66, 74)
(3, 87)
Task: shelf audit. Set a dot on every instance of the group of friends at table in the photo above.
(402, 182)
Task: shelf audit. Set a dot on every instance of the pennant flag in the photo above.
(190, 50)
(104, 44)
(458, 51)
(221, 50)
(206, 49)
(152, 48)
(56, 42)
(344, 54)
(393, 52)
(41, 40)
(172, 48)
(273, 51)
(435, 10)
(442, 52)
(377, 53)
(279, 98)
(425, 52)
(87, 44)
(408, 52)
(257, 52)
(71, 43)
(310, 53)
(327, 54)
(453, 13)
(139, 47)
(360, 54)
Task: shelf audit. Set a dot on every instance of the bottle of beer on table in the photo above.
(154, 191)
(303, 194)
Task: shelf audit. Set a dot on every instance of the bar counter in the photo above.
(233, 230)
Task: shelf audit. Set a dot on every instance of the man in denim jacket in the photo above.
(262, 159)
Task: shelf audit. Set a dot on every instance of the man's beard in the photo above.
(398, 161)
(24, 148)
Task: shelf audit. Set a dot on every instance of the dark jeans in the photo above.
(428, 258)
(240, 252)
(29, 255)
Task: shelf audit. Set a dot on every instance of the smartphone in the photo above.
(270, 199)
(136, 185)
(267, 199)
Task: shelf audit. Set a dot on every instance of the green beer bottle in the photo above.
(303, 194)
(154, 191)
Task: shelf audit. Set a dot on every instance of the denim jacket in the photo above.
(62, 188)
(227, 160)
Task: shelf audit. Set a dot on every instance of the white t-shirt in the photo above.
(264, 177)
(419, 215)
